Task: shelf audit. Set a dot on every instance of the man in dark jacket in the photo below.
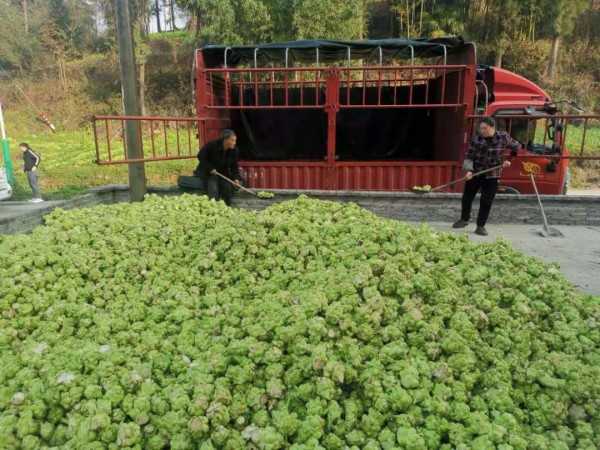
(219, 156)
(31, 163)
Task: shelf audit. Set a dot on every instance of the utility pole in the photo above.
(24, 6)
(137, 175)
(5, 152)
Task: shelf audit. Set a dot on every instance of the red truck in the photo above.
(363, 115)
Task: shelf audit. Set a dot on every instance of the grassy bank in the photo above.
(68, 169)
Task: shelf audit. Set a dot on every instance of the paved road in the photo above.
(592, 191)
(10, 209)
(578, 252)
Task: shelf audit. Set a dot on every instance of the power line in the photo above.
(19, 88)
(41, 113)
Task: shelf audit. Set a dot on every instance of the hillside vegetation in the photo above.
(59, 56)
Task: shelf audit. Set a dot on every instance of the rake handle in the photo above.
(539, 200)
(235, 184)
(464, 178)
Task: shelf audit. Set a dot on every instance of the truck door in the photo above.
(539, 134)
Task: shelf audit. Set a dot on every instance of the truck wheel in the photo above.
(507, 190)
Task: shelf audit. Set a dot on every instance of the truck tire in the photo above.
(507, 190)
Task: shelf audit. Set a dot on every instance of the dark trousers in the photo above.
(217, 188)
(489, 187)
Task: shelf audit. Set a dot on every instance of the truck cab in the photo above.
(526, 112)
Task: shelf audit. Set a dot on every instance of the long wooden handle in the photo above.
(539, 200)
(235, 184)
(463, 178)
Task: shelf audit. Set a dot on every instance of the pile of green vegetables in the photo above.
(179, 323)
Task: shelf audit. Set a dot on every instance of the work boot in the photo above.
(481, 231)
(460, 223)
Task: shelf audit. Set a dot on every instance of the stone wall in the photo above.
(517, 209)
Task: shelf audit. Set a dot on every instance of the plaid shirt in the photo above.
(485, 153)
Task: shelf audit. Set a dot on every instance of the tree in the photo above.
(509, 13)
(232, 21)
(194, 7)
(16, 48)
(218, 22)
(65, 32)
(561, 16)
(282, 12)
(172, 14)
(592, 28)
(140, 12)
(443, 21)
(156, 12)
(330, 19)
(405, 11)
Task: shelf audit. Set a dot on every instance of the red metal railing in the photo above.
(435, 81)
(169, 138)
(228, 88)
(510, 122)
(158, 138)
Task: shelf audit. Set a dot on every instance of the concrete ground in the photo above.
(578, 252)
(10, 209)
(590, 191)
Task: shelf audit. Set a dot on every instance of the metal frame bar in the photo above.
(473, 119)
(310, 69)
(412, 54)
(381, 80)
(529, 116)
(225, 56)
(559, 157)
(342, 106)
(256, 50)
(487, 94)
(445, 54)
(193, 73)
(156, 153)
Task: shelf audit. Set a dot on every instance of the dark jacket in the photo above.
(212, 156)
(485, 153)
(31, 159)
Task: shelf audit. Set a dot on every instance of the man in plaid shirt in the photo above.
(485, 152)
